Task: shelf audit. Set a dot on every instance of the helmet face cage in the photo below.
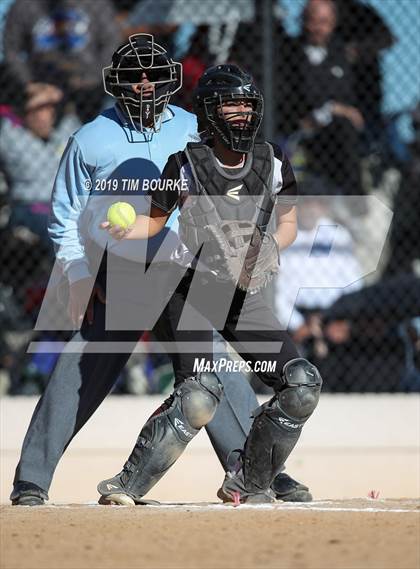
(219, 85)
(142, 55)
(237, 138)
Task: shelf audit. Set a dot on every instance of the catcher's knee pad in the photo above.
(166, 434)
(278, 423)
(302, 386)
(199, 398)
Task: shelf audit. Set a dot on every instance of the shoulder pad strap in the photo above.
(259, 146)
(192, 145)
(178, 159)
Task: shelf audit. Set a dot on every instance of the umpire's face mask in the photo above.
(144, 93)
(144, 114)
(142, 77)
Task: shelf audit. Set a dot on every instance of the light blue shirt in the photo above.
(106, 161)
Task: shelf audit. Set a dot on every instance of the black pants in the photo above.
(250, 325)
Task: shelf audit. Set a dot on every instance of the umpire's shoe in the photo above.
(28, 494)
(289, 490)
(233, 490)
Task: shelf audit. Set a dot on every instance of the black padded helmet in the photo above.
(141, 54)
(224, 83)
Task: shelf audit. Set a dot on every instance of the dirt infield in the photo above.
(363, 451)
(350, 446)
(362, 534)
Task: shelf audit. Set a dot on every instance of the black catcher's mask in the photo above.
(141, 54)
(219, 85)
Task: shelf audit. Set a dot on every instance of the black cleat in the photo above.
(114, 492)
(233, 490)
(289, 490)
(28, 494)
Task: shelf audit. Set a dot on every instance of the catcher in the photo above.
(230, 249)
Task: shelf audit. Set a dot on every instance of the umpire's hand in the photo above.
(79, 291)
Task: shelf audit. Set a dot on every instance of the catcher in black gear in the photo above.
(237, 213)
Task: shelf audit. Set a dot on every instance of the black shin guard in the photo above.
(165, 435)
(278, 423)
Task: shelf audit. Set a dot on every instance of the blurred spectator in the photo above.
(317, 99)
(11, 91)
(123, 8)
(373, 338)
(12, 94)
(30, 153)
(194, 63)
(63, 42)
(132, 23)
(404, 239)
(322, 250)
(365, 35)
(247, 48)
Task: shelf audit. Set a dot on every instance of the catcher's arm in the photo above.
(286, 231)
(145, 226)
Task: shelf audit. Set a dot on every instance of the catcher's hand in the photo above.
(116, 231)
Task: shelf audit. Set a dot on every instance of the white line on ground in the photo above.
(312, 507)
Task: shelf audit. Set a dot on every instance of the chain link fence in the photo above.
(341, 85)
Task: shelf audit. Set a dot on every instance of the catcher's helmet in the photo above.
(224, 83)
(141, 54)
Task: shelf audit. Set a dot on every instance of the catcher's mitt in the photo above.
(240, 252)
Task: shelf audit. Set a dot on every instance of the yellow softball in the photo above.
(122, 214)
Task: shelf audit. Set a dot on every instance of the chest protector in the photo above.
(226, 212)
